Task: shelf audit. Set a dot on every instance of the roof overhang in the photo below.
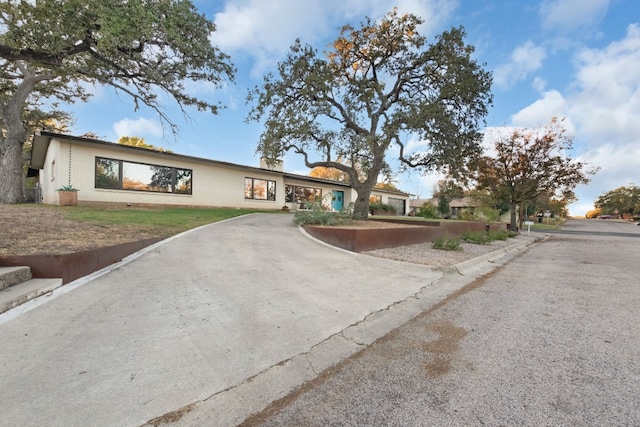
(39, 150)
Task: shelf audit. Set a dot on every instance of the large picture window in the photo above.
(302, 194)
(125, 175)
(259, 189)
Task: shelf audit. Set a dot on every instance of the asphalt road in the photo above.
(549, 339)
(596, 227)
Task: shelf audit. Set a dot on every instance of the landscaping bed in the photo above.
(362, 236)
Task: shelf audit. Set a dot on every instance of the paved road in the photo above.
(549, 339)
(197, 321)
(596, 227)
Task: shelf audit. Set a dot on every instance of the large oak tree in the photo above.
(622, 200)
(377, 86)
(527, 163)
(53, 51)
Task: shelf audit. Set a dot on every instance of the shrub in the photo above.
(317, 215)
(500, 235)
(446, 243)
(476, 237)
(491, 215)
(484, 237)
(427, 210)
(468, 216)
(383, 208)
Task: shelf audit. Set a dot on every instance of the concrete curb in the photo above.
(233, 405)
(468, 267)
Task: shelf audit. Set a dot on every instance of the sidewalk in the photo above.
(191, 318)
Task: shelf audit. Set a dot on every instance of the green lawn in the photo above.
(172, 219)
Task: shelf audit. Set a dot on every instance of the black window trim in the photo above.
(121, 176)
(267, 199)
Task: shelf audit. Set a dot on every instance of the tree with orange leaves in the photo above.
(528, 163)
(377, 87)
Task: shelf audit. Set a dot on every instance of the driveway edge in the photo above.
(235, 404)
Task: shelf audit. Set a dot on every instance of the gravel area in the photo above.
(423, 253)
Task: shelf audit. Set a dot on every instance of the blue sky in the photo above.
(578, 59)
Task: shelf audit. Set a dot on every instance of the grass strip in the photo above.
(170, 220)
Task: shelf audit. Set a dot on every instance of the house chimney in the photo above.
(276, 166)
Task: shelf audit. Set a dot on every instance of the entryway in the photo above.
(337, 200)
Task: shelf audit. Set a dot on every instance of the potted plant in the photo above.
(67, 195)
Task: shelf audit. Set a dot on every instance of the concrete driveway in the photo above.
(218, 308)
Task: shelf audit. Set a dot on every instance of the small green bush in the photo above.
(381, 208)
(427, 210)
(484, 237)
(491, 215)
(468, 216)
(476, 237)
(500, 235)
(317, 215)
(446, 243)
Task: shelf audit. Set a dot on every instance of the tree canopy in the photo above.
(620, 201)
(445, 191)
(375, 87)
(528, 163)
(51, 49)
(136, 141)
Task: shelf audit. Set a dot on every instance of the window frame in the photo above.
(292, 194)
(269, 189)
(118, 183)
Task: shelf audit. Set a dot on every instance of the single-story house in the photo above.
(105, 172)
(457, 207)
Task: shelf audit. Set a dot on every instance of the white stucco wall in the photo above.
(72, 161)
(212, 184)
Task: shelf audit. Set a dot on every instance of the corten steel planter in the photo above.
(68, 197)
(71, 266)
(361, 239)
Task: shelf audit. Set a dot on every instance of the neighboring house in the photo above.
(415, 204)
(456, 206)
(104, 172)
(465, 204)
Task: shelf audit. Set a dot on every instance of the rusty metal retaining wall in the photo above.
(360, 240)
(72, 266)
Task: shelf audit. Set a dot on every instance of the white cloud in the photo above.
(525, 59)
(607, 98)
(539, 84)
(601, 106)
(552, 104)
(414, 144)
(565, 16)
(265, 30)
(619, 165)
(138, 127)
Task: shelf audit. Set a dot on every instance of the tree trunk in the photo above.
(11, 175)
(361, 205)
(15, 134)
(514, 222)
(521, 214)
